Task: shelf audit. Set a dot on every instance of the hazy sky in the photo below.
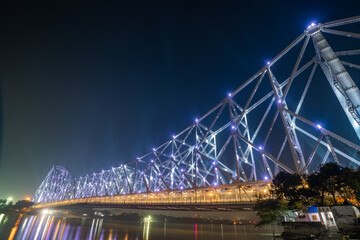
(92, 85)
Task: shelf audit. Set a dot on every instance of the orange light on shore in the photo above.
(28, 199)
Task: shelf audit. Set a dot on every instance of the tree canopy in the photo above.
(9, 206)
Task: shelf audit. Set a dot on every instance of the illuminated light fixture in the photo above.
(319, 126)
(181, 188)
(311, 25)
(172, 156)
(196, 120)
(229, 94)
(197, 147)
(182, 170)
(152, 160)
(173, 136)
(279, 100)
(214, 163)
(154, 150)
(45, 211)
(215, 184)
(159, 174)
(266, 178)
(233, 127)
(260, 148)
(268, 63)
(142, 173)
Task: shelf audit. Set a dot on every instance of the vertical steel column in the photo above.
(293, 141)
(340, 81)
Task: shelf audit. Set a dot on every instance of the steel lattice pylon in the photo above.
(261, 128)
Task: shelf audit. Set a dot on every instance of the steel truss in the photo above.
(248, 136)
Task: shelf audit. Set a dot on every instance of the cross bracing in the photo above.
(268, 124)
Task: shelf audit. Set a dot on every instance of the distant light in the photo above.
(152, 160)
(154, 150)
(279, 100)
(142, 173)
(28, 199)
(172, 156)
(213, 163)
(197, 147)
(173, 136)
(196, 120)
(159, 174)
(10, 199)
(319, 126)
(45, 211)
(311, 25)
(182, 170)
(266, 178)
(215, 184)
(268, 63)
(233, 127)
(181, 188)
(229, 94)
(260, 147)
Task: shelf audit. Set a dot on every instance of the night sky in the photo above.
(92, 85)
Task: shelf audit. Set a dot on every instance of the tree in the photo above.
(331, 173)
(350, 185)
(23, 204)
(287, 186)
(269, 210)
(316, 183)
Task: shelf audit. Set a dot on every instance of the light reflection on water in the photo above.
(54, 227)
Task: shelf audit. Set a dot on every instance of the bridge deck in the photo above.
(229, 196)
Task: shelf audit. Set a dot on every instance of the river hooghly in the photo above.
(47, 226)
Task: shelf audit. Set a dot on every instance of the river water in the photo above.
(57, 227)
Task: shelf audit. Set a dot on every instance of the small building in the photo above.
(314, 221)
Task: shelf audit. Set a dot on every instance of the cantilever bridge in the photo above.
(266, 125)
